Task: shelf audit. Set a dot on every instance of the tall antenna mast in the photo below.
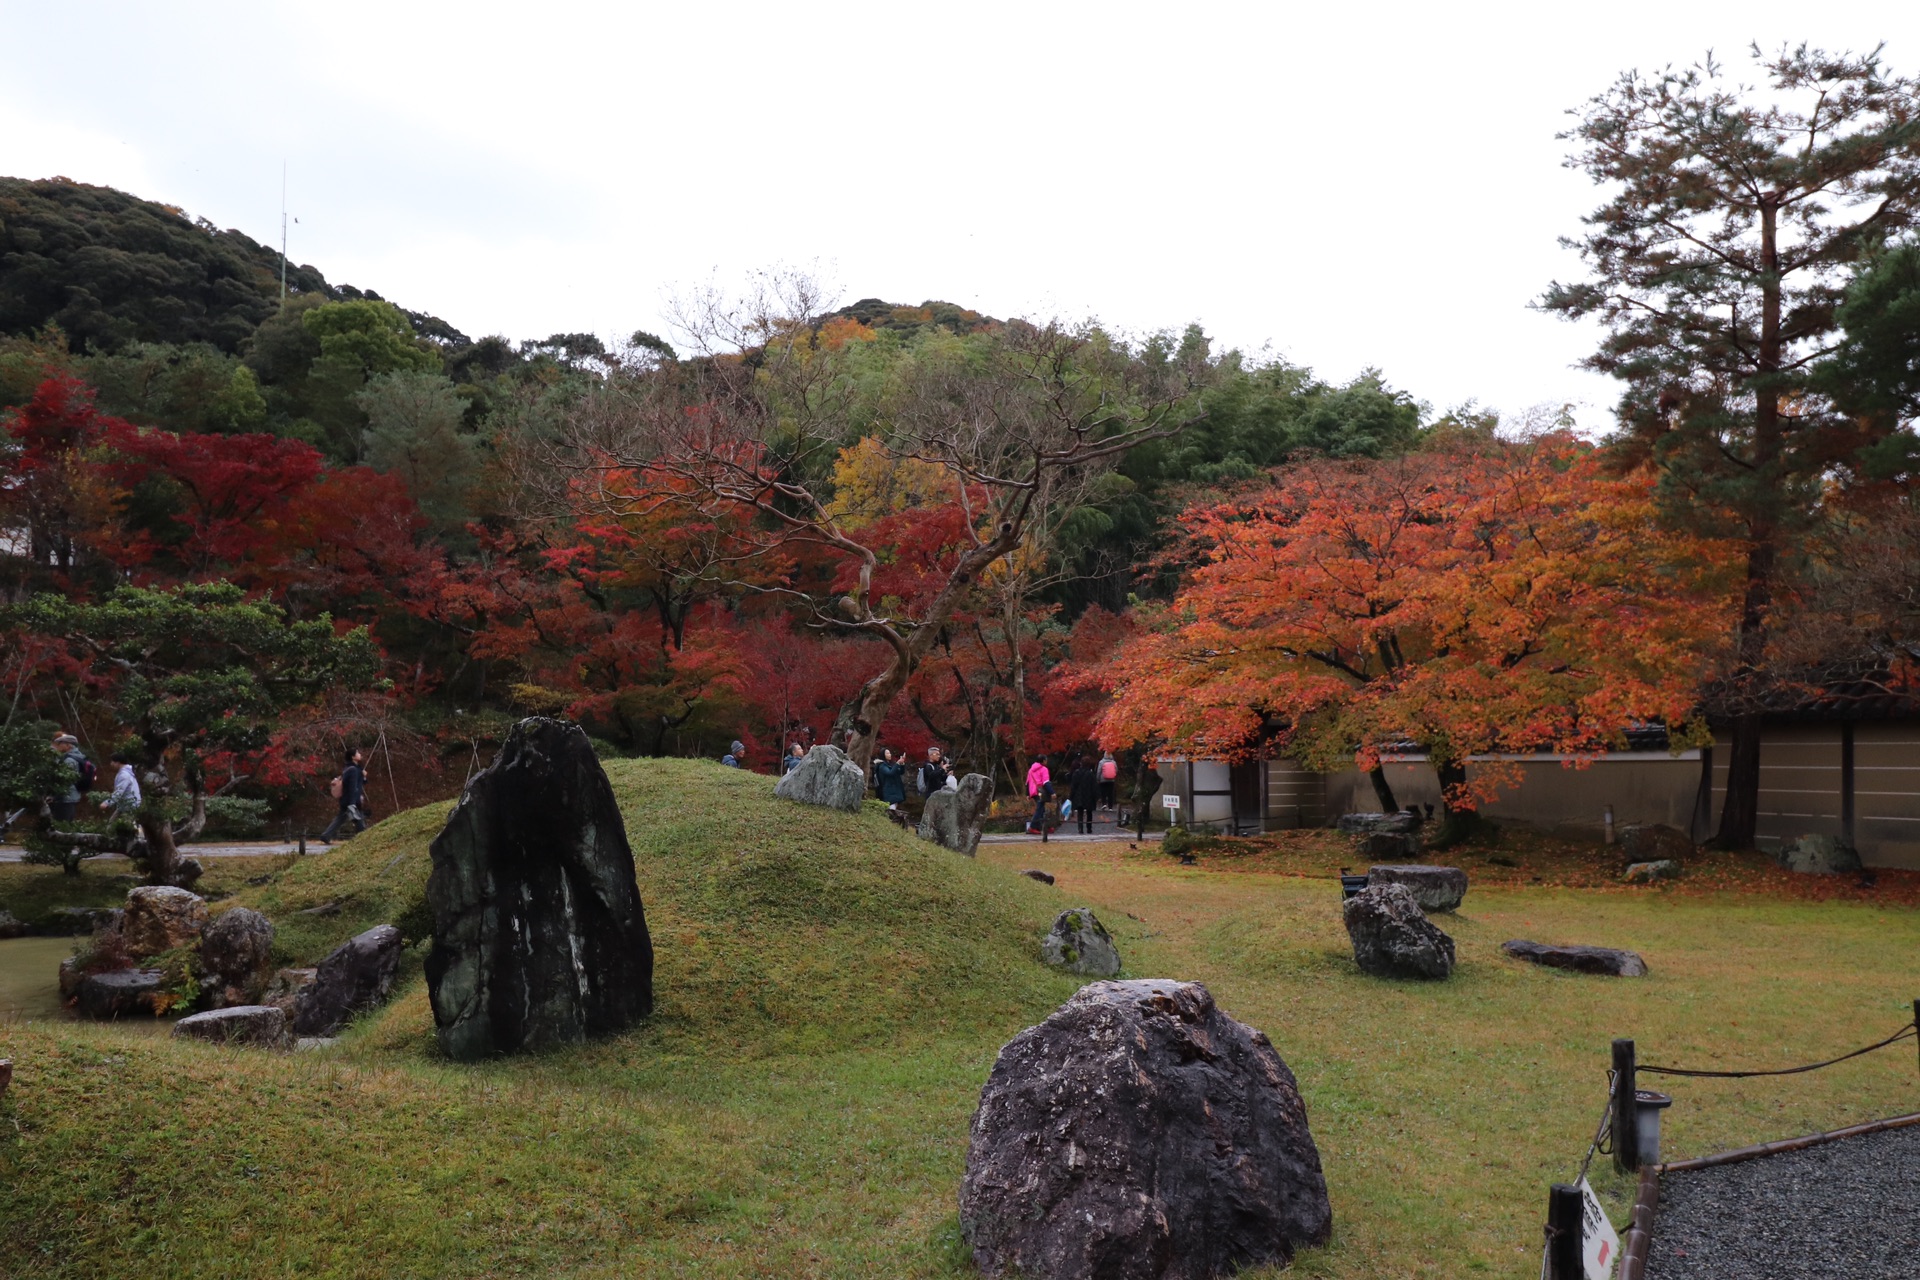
(283, 233)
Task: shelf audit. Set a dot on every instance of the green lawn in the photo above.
(831, 996)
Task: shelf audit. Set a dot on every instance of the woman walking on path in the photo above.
(1039, 790)
(1083, 789)
(1109, 778)
(125, 800)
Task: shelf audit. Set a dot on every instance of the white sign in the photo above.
(1170, 800)
(1599, 1246)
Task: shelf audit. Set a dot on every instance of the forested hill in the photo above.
(109, 269)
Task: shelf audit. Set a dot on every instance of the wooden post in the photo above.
(303, 839)
(1916, 1025)
(1846, 783)
(1626, 1110)
(1564, 1233)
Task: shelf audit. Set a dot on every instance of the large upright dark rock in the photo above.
(1140, 1133)
(539, 937)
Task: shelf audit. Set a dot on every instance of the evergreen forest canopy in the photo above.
(908, 525)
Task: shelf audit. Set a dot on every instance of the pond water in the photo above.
(30, 983)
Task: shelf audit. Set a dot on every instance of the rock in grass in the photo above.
(1653, 842)
(1362, 824)
(1079, 943)
(952, 818)
(120, 993)
(1140, 1132)
(826, 778)
(1390, 844)
(235, 953)
(1818, 856)
(539, 936)
(251, 1024)
(355, 976)
(1043, 877)
(1601, 960)
(1392, 937)
(161, 918)
(1434, 888)
(1648, 872)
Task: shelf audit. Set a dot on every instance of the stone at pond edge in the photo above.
(235, 952)
(826, 778)
(1648, 872)
(1392, 937)
(120, 993)
(1140, 1133)
(1652, 842)
(1818, 856)
(1079, 943)
(161, 918)
(952, 817)
(1042, 876)
(1605, 961)
(355, 976)
(539, 935)
(10, 927)
(69, 921)
(1434, 888)
(254, 1024)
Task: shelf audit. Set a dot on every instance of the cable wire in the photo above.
(1902, 1034)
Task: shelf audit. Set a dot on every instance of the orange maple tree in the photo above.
(1485, 596)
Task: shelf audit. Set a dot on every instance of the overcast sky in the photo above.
(1345, 184)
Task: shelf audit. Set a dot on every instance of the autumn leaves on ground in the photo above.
(832, 993)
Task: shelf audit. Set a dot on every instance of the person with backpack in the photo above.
(1039, 790)
(85, 773)
(933, 774)
(1109, 779)
(736, 757)
(350, 793)
(1083, 792)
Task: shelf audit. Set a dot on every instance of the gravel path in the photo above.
(1844, 1210)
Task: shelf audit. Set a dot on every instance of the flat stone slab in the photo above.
(1434, 888)
(1601, 960)
(1044, 877)
(121, 993)
(1361, 824)
(254, 1024)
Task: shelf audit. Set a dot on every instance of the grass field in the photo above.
(831, 996)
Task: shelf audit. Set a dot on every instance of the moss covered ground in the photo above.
(831, 995)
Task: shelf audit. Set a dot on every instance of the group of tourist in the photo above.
(123, 801)
(1091, 785)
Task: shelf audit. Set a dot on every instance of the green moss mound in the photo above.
(779, 926)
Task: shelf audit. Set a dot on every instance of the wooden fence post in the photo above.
(1564, 1233)
(1626, 1110)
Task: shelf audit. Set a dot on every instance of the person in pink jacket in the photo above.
(1039, 788)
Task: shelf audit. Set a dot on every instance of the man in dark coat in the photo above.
(352, 800)
(1083, 788)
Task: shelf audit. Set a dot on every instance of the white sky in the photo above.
(1353, 184)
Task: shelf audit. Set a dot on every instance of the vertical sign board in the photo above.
(1172, 802)
(1599, 1246)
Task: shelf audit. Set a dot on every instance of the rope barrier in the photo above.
(1601, 1133)
(1903, 1033)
